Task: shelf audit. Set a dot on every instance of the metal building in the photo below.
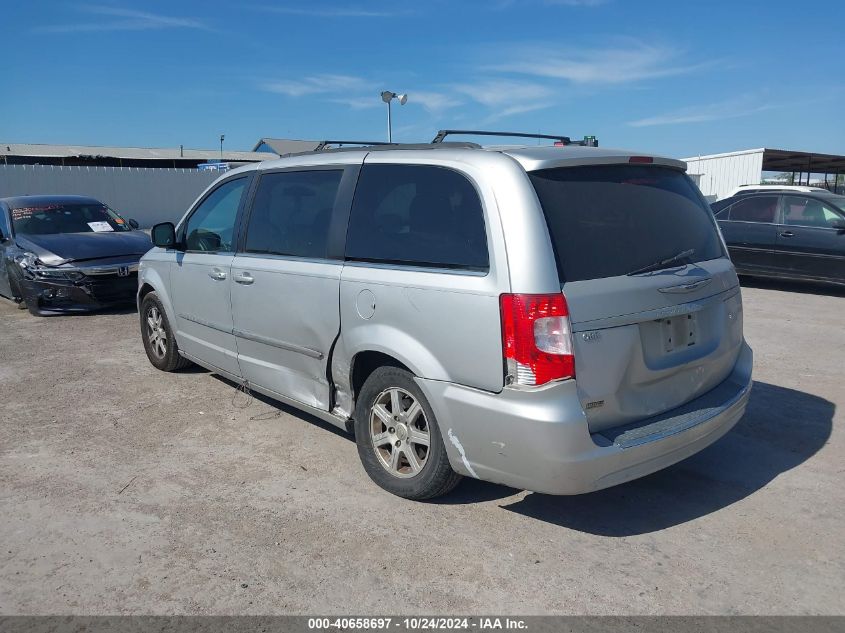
(282, 146)
(101, 156)
(717, 175)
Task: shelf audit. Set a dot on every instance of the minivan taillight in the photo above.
(536, 339)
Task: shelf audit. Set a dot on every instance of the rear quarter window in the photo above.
(761, 209)
(418, 215)
(610, 220)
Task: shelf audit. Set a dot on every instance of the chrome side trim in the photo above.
(814, 255)
(199, 321)
(291, 347)
(790, 277)
(751, 249)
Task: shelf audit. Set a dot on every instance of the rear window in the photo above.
(417, 215)
(610, 220)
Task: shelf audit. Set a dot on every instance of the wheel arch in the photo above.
(150, 280)
(365, 362)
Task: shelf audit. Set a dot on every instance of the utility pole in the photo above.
(387, 97)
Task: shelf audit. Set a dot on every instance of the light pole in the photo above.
(222, 138)
(387, 97)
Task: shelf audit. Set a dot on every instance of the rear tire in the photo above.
(157, 335)
(398, 439)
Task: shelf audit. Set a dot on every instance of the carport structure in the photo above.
(719, 174)
(804, 163)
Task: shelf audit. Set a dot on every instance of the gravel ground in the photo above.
(127, 490)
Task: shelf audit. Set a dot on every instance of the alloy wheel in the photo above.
(399, 432)
(156, 334)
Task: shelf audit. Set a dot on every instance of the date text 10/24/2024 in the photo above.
(417, 623)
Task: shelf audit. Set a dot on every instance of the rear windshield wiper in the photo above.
(663, 263)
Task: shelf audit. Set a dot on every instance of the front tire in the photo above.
(398, 439)
(159, 341)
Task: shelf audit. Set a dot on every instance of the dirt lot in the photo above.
(127, 490)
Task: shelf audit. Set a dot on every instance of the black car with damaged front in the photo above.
(67, 254)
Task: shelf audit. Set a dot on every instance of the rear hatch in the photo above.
(654, 301)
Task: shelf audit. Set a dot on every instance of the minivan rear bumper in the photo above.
(539, 440)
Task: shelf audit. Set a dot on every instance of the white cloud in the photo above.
(498, 92)
(333, 12)
(506, 4)
(119, 19)
(578, 3)
(316, 84)
(360, 103)
(506, 97)
(434, 102)
(624, 63)
(733, 109)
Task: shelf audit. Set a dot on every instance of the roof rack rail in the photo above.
(375, 146)
(322, 145)
(589, 141)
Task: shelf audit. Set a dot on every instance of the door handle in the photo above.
(787, 234)
(243, 278)
(217, 274)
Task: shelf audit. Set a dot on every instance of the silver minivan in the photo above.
(554, 318)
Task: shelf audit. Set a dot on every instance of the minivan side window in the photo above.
(211, 227)
(801, 211)
(755, 209)
(419, 215)
(291, 213)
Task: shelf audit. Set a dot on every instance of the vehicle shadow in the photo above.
(469, 490)
(804, 287)
(474, 491)
(781, 429)
(193, 369)
(243, 400)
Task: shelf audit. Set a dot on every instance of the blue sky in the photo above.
(677, 77)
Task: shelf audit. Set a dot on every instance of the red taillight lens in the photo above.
(536, 338)
(641, 159)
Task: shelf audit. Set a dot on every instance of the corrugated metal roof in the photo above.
(284, 146)
(785, 160)
(129, 153)
(725, 154)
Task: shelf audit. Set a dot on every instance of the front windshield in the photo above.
(51, 219)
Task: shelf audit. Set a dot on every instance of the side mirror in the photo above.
(164, 235)
(839, 225)
(134, 223)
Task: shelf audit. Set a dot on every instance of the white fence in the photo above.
(144, 194)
